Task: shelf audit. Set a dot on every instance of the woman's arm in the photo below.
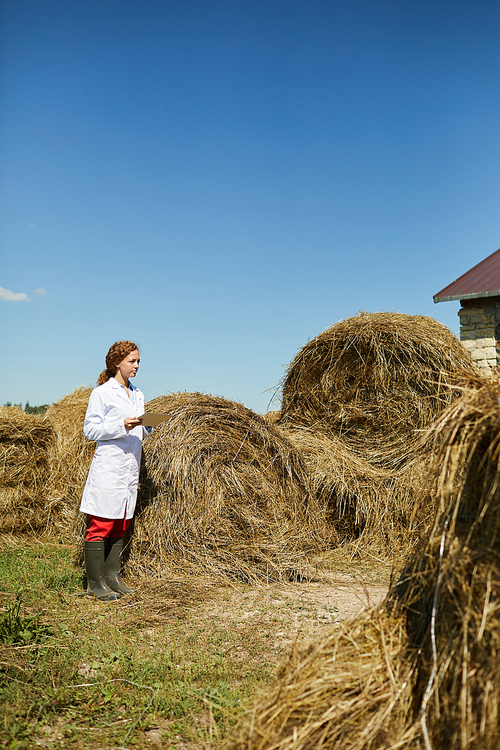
(96, 426)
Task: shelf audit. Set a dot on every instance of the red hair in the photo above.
(116, 354)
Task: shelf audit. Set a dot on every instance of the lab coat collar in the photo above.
(115, 384)
(119, 387)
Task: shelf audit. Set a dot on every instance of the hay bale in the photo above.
(347, 691)
(375, 381)
(422, 671)
(70, 456)
(272, 416)
(357, 401)
(349, 487)
(450, 590)
(223, 495)
(374, 512)
(25, 440)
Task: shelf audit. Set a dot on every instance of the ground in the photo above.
(175, 665)
(306, 608)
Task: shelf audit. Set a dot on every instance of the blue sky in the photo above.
(220, 181)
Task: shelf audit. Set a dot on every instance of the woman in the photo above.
(113, 421)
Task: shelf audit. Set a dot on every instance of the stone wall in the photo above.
(480, 329)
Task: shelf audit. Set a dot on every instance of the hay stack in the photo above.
(70, 457)
(375, 381)
(373, 511)
(348, 691)
(224, 495)
(454, 581)
(25, 440)
(357, 400)
(272, 416)
(423, 671)
(335, 472)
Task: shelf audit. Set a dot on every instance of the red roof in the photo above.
(481, 281)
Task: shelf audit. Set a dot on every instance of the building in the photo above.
(479, 293)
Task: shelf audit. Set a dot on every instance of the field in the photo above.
(174, 667)
(386, 449)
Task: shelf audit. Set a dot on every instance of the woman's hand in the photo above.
(131, 422)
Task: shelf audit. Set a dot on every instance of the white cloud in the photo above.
(9, 296)
(40, 291)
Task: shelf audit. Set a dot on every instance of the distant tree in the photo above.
(30, 409)
(35, 409)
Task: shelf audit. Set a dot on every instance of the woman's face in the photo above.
(129, 365)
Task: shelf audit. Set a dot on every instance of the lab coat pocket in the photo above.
(107, 469)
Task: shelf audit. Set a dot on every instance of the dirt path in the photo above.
(295, 611)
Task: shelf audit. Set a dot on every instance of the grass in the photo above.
(168, 668)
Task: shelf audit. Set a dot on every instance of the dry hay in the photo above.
(25, 440)
(450, 591)
(70, 456)
(272, 416)
(373, 512)
(357, 401)
(348, 691)
(154, 602)
(335, 472)
(223, 495)
(375, 381)
(422, 671)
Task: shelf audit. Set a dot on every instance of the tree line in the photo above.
(30, 409)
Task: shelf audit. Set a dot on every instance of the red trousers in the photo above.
(103, 528)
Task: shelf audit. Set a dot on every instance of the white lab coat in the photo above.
(111, 487)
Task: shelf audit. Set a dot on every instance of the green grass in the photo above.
(79, 673)
(173, 671)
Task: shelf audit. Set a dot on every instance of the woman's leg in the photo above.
(114, 547)
(98, 531)
(100, 528)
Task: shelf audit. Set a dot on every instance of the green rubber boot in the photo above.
(95, 570)
(114, 546)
